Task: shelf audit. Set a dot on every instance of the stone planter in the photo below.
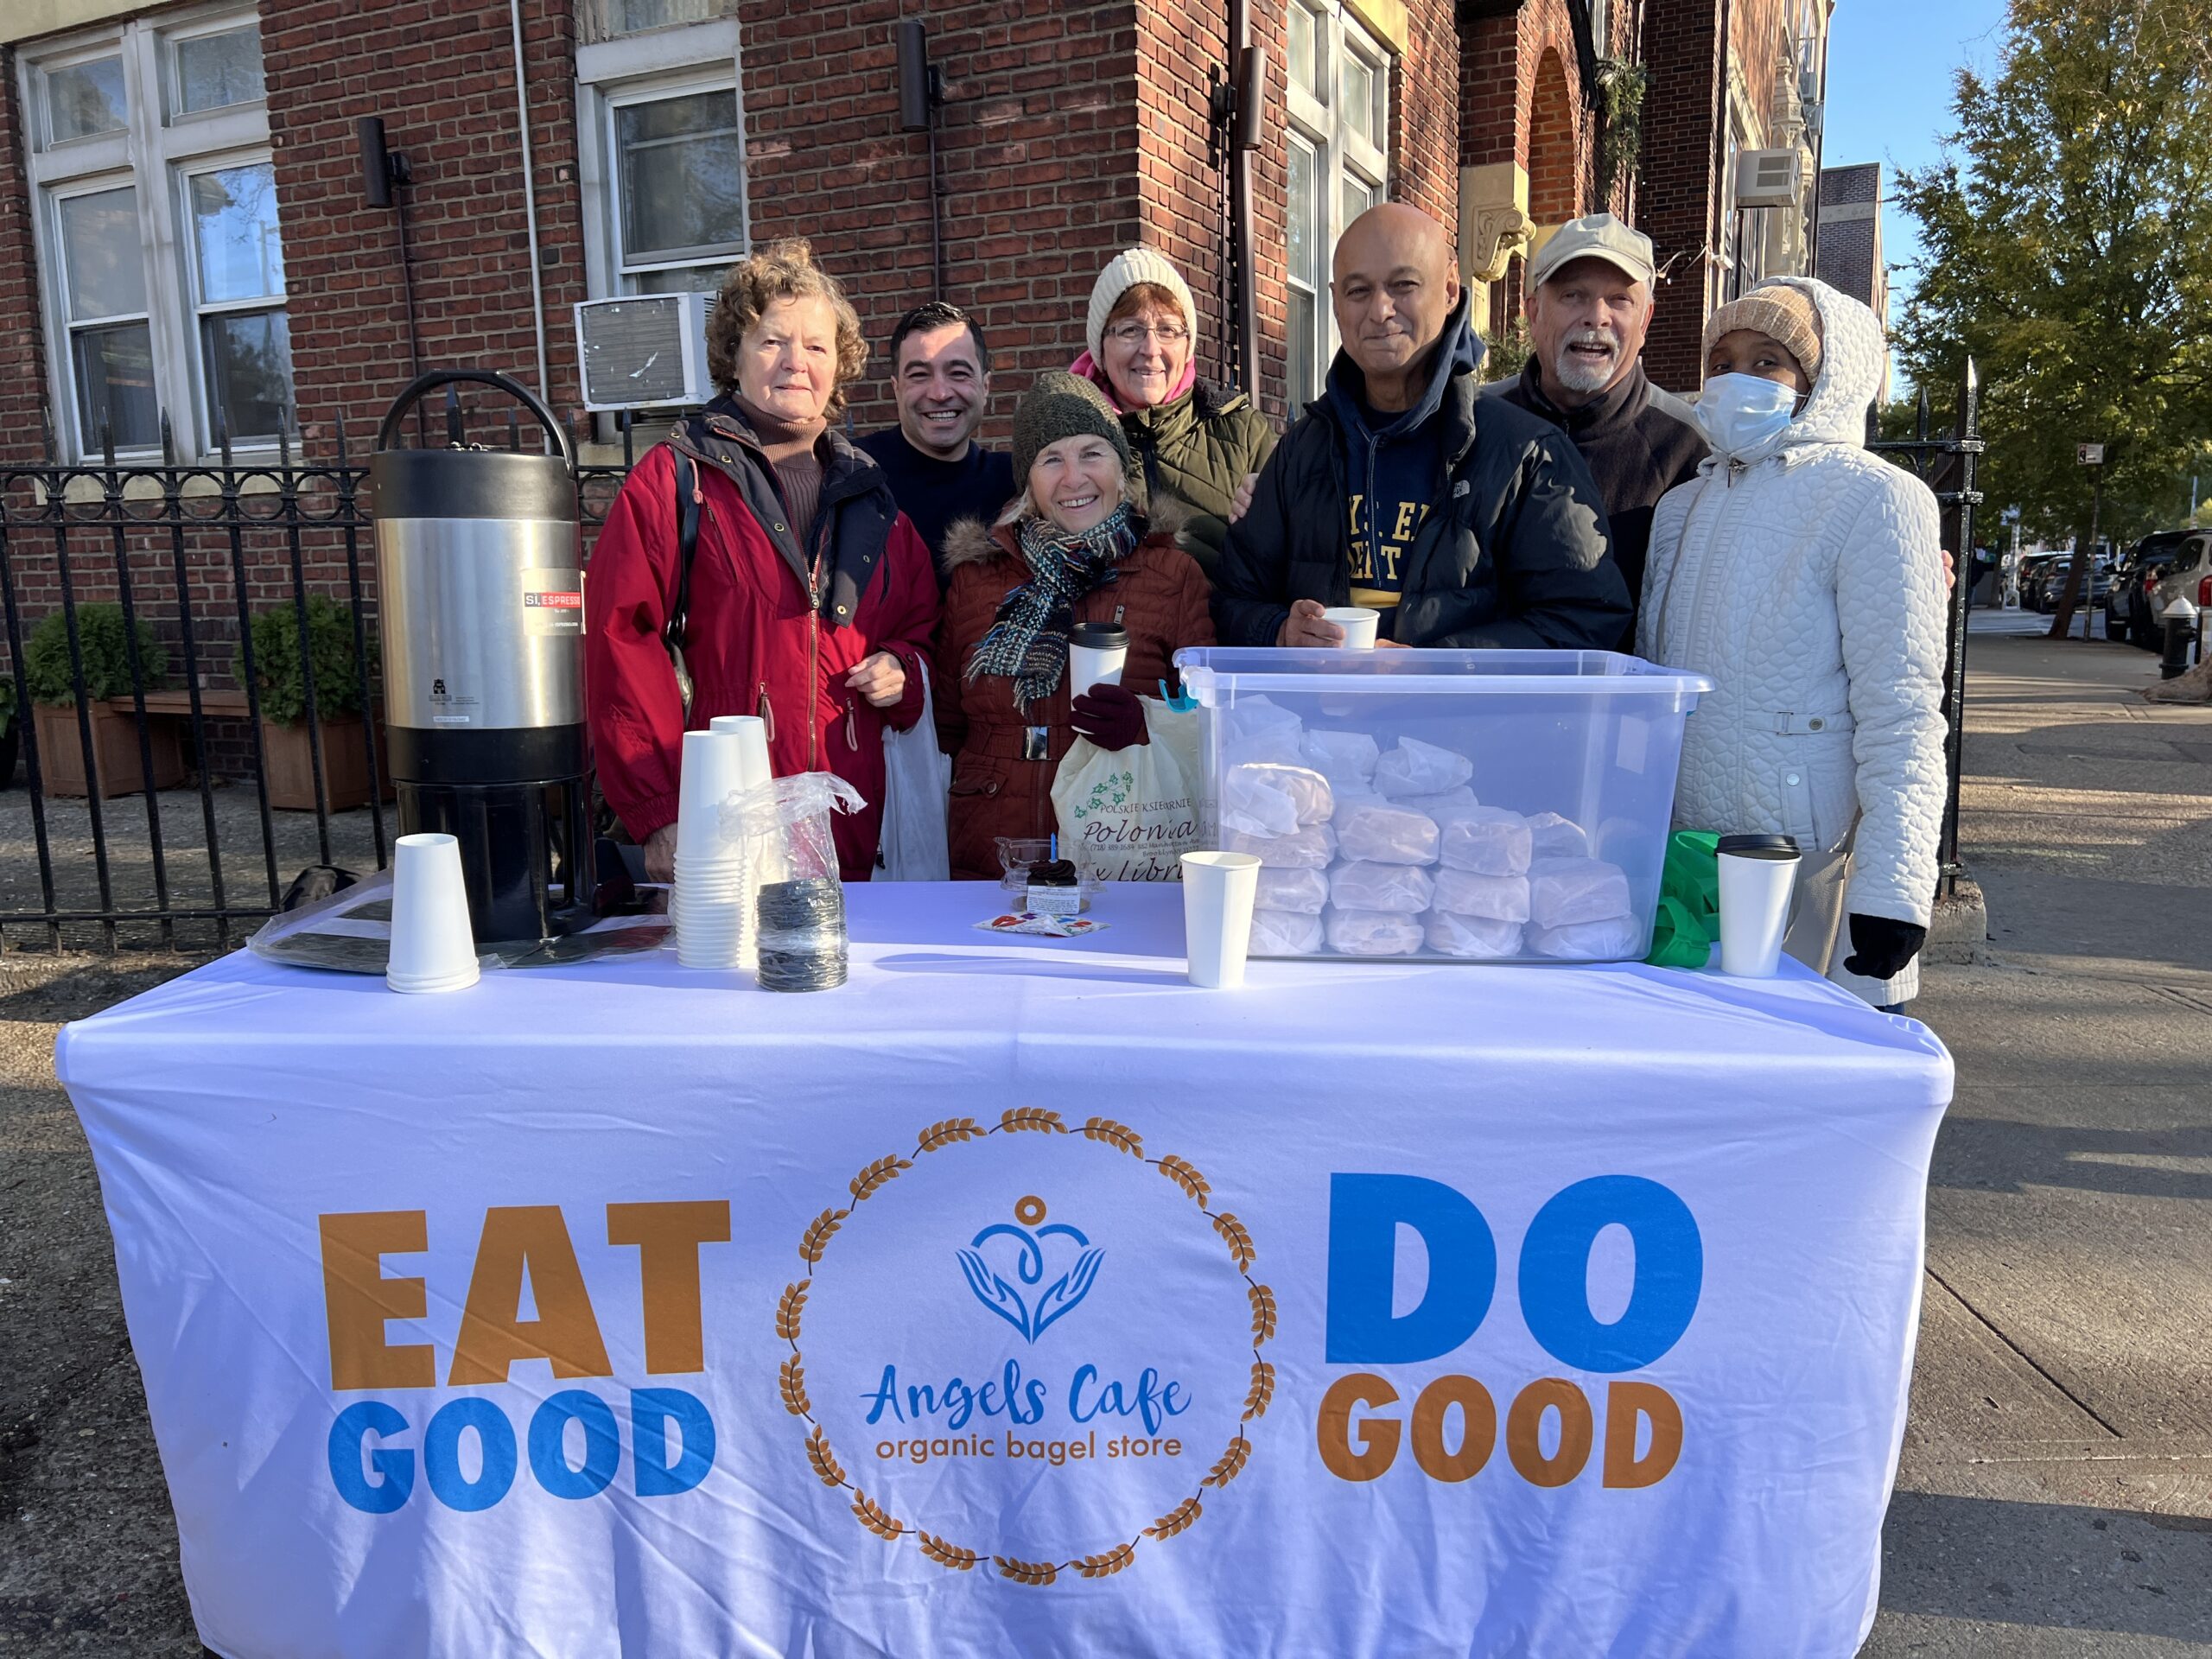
(115, 752)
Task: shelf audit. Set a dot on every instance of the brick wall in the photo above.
(1039, 156)
(442, 77)
(1676, 198)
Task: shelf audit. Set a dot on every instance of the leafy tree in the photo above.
(2068, 247)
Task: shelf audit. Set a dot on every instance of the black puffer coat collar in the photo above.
(852, 526)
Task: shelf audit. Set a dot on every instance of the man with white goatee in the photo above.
(1590, 302)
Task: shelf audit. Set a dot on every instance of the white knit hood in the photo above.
(1851, 349)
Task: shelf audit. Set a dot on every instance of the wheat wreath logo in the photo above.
(1060, 1297)
(1031, 1274)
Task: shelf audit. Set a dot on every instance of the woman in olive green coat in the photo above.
(1196, 442)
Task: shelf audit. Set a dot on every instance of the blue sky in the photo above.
(1890, 64)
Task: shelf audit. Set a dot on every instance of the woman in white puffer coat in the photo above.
(1804, 577)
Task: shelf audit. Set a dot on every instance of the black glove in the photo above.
(1881, 945)
(1110, 717)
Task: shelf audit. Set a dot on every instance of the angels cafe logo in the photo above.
(1071, 1376)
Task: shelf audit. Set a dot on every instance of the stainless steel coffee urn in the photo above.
(480, 584)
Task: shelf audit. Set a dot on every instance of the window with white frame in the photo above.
(1337, 167)
(662, 118)
(160, 256)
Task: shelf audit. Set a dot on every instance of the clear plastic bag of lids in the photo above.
(1304, 892)
(1565, 891)
(1494, 898)
(1286, 933)
(1383, 832)
(1311, 848)
(1381, 886)
(1418, 768)
(1488, 841)
(785, 824)
(1372, 932)
(1477, 937)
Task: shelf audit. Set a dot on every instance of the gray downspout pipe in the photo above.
(530, 200)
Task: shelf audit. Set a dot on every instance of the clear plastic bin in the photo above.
(1548, 776)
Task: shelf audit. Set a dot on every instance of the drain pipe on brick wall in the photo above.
(530, 200)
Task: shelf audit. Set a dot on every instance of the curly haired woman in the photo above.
(810, 598)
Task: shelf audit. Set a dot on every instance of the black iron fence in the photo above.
(111, 571)
(136, 679)
(1945, 462)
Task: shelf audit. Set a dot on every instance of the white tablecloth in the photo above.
(1019, 1299)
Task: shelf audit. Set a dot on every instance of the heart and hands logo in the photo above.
(1030, 1306)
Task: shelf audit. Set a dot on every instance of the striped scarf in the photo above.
(1028, 639)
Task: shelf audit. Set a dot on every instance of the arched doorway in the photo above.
(1553, 179)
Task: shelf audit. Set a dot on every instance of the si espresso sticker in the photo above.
(553, 601)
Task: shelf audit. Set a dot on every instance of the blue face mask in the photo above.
(1739, 412)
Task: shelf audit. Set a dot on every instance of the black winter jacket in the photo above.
(1639, 443)
(1513, 554)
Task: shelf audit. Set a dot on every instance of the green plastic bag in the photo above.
(1690, 901)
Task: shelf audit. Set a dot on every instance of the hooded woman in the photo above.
(811, 599)
(1192, 443)
(1804, 576)
(1077, 545)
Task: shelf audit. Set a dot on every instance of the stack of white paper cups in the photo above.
(763, 856)
(432, 947)
(710, 906)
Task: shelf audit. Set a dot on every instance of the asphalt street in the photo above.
(2055, 1496)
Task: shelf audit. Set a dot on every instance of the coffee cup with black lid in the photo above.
(1096, 651)
(1758, 874)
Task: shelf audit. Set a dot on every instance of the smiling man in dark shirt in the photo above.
(1589, 306)
(941, 376)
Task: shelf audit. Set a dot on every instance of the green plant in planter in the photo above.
(106, 655)
(7, 700)
(276, 662)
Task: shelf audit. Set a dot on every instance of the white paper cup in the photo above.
(432, 948)
(713, 769)
(751, 734)
(1758, 875)
(1089, 666)
(1217, 892)
(1358, 623)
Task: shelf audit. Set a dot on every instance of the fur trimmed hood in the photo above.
(970, 541)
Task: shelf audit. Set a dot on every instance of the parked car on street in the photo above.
(2028, 576)
(2127, 605)
(2053, 588)
(2190, 574)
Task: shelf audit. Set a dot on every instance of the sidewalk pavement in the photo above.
(2055, 1497)
(2055, 1491)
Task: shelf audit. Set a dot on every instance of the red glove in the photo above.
(1109, 717)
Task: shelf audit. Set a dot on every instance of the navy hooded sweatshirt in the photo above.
(1392, 465)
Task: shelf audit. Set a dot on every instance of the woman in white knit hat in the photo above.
(1194, 441)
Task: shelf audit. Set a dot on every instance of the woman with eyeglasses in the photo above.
(1194, 443)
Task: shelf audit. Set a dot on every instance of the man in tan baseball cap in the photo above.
(1589, 303)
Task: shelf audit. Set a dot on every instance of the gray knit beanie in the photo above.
(1063, 405)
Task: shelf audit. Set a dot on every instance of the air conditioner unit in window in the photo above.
(1769, 178)
(647, 350)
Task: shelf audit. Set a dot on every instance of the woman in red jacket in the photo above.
(810, 599)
